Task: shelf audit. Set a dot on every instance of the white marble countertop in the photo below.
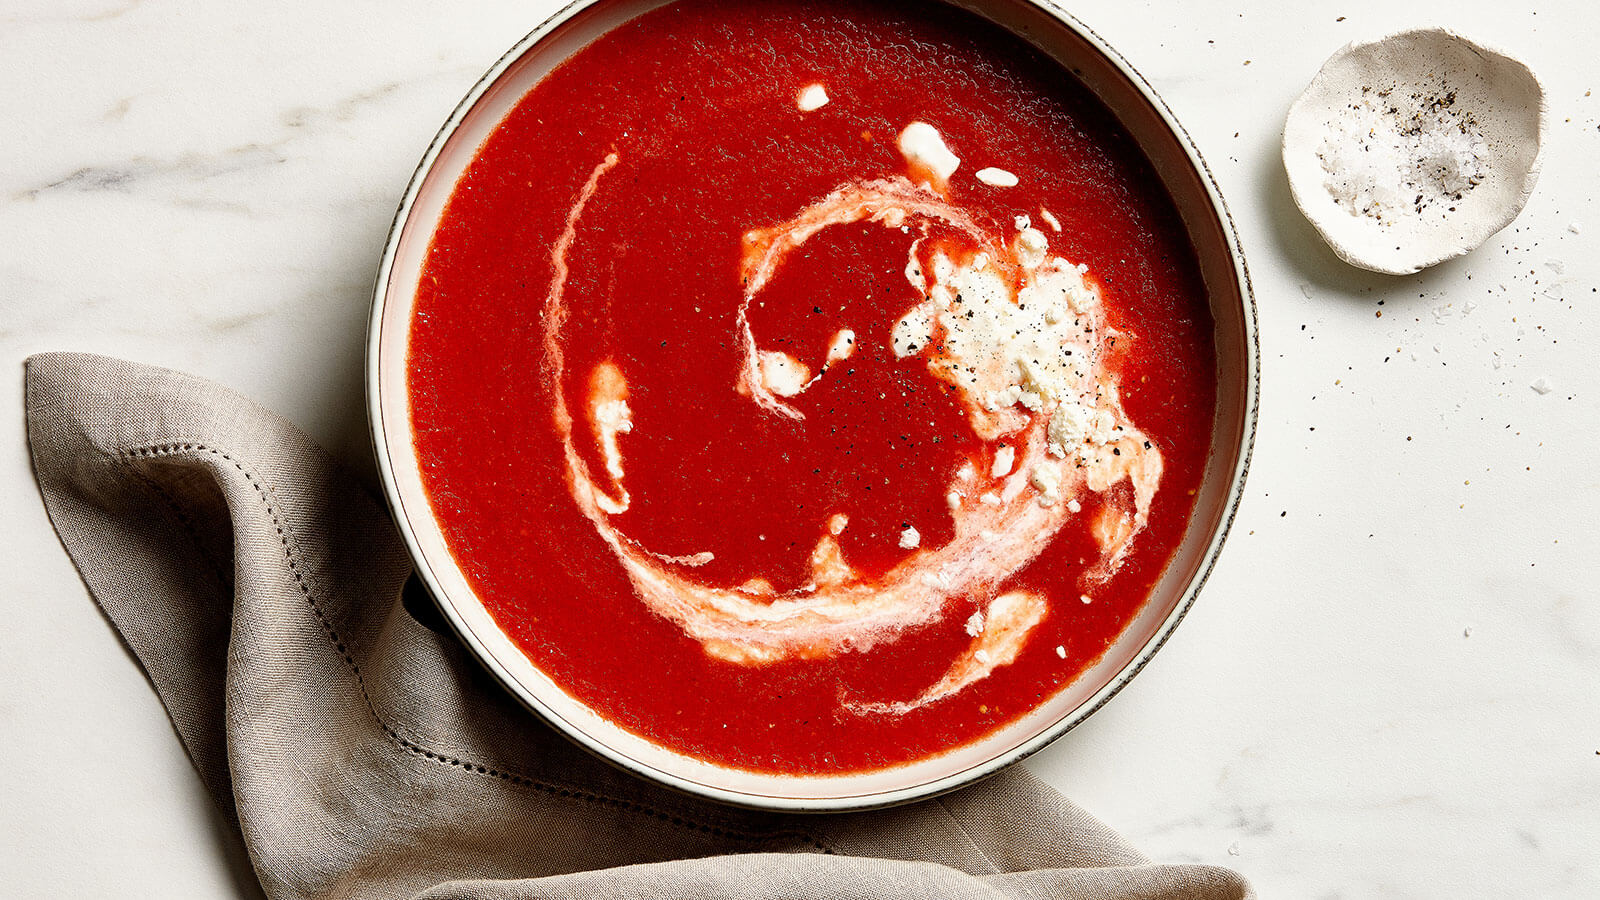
(1390, 687)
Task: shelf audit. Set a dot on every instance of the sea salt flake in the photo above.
(1390, 156)
(1542, 386)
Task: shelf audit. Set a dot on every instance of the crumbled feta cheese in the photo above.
(1542, 386)
(1046, 479)
(1004, 458)
(990, 499)
(909, 538)
(1084, 597)
(913, 332)
(1050, 219)
(1031, 247)
(1029, 347)
(926, 154)
(1074, 507)
(844, 344)
(782, 374)
(1022, 222)
(836, 524)
(1061, 651)
(975, 624)
(1070, 427)
(997, 177)
(981, 656)
(812, 97)
(954, 500)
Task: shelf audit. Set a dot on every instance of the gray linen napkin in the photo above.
(363, 754)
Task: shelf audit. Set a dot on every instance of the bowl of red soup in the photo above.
(813, 405)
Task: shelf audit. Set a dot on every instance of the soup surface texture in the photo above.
(811, 387)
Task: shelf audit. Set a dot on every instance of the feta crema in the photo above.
(1018, 333)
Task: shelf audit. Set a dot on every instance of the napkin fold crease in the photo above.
(362, 754)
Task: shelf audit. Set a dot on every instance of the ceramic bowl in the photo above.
(1080, 53)
(1497, 96)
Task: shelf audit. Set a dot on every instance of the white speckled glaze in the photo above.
(1503, 94)
(1222, 265)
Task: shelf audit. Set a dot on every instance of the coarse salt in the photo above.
(1392, 155)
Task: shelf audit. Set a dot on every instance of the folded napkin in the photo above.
(363, 753)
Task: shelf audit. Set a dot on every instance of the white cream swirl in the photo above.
(1020, 334)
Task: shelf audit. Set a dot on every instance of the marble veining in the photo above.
(1390, 686)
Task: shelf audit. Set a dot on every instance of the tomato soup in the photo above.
(811, 387)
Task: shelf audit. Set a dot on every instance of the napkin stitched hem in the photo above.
(288, 540)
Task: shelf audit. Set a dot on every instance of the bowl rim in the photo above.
(877, 799)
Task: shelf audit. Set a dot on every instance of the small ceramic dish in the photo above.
(1081, 55)
(1414, 148)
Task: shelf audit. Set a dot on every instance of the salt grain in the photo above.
(1392, 155)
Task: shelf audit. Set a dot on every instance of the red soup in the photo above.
(811, 387)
